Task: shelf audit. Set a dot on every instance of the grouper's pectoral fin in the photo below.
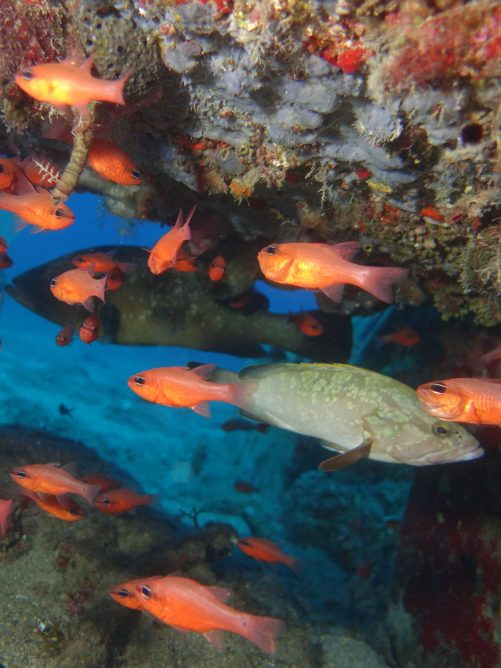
(346, 458)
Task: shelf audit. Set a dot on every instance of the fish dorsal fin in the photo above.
(179, 220)
(205, 371)
(347, 458)
(347, 249)
(87, 64)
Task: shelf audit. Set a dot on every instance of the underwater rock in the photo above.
(177, 309)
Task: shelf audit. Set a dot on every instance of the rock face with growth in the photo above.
(321, 121)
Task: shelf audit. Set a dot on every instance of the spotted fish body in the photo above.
(347, 406)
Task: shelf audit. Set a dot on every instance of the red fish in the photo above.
(89, 331)
(118, 501)
(38, 209)
(189, 606)
(164, 253)
(7, 174)
(262, 549)
(41, 171)
(65, 83)
(470, 400)
(245, 487)
(326, 268)
(61, 507)
(307, 324)
(114, 280)
(405, 336)
(217, 268)
(185, 262)
(104, 482)
(184, 388)
(5, 261)
(77, 286)
(102, 263)
(52, 479)
(63, 338)
(113, 163)
(126, 593)
(6, 506)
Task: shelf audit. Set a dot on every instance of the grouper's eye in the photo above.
(146, 591)
(19, 473)
(271, 250)
(139, 380)
(136, 174)
(27, 74)
(440, 429)
(439, 388)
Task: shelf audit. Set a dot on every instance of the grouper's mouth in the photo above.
(448, 457)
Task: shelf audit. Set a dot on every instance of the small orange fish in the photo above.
(37, 208)
(52, 479)
(262, 549)
(63, 338)
(7, 174)
(41, 172)
(470, 400)
(189, 606)
(184, 388)
(115, 279)
(245, 487)
(217, 268)
(185, 262)
(61, 507)
(405, 336)
(77, 286)
(5, 261)
(307, 324)
(102, 263)
(89, 331)
(104, 482)
(6, 506)
(113, 163)
(326, 268)
(68, 84)
(118, 501)
(163, 254)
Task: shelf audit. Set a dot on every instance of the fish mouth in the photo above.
(448, 457)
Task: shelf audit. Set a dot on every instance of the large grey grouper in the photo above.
(353, 411)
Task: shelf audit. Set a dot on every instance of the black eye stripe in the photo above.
(271, 250)
(439, 388)
(123, 593)
(27, 74)
(20, 473)
(146, 591)
(139, 380)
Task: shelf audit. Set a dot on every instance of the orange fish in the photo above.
(7, 174)
(117, 501)
(217, 268)
(126, 593)
(262, 549)
(113, 163)
(89, 331)
(184, 388)
(405, 336)
(3, 245)
(61, 507)
(52, 479)
(163, 254)
(63, 338)
(6, 506)
(307, 324)
(41, 172)
(37, 208)
(115, 279)
(471, 400)
(103, 481)
(102, 263)
(68, 84)
(77, 286)
(326, 268)
(5, 261)
(185, 262)
(189, 606)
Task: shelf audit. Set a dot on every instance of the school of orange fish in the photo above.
(25, 185)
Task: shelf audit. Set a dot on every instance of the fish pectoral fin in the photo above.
(215, 638)
(346, 458)
(334, 292)
(334, 446)
(202, 409)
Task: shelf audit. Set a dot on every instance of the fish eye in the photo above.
(135, 173)
(27, 74)
(59, 213)
(53, 282)
(146, 591)
(1, 169)
(243, 541)
(78, 260)
(123, 593)
(439, 388)
(139, 380)
(271, 250)
(105, 502)
(19, 473)
(439, 429)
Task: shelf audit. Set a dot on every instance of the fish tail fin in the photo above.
(117, 89)
(379, 281)
(262, 631)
